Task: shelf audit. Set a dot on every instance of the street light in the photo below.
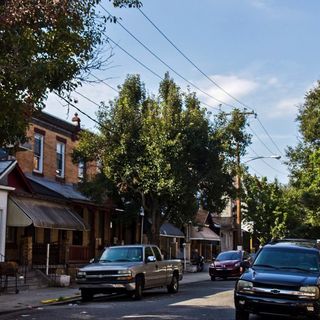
(238, 200)
(277, 157)
(142, 220)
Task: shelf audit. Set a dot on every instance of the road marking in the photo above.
(153, 316)
(221, 299)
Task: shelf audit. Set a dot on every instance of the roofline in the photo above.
(9, 169)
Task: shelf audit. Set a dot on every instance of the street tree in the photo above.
(304, 159)
(266, 210)
(160, 152)
(45, 45)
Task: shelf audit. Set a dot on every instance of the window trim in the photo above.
(62, 173)
(40, 137)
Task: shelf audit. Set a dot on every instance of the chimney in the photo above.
(76, 121)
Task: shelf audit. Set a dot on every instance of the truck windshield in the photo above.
(122, 254)
(288, 259)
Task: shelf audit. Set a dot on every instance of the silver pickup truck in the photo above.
(129, 269)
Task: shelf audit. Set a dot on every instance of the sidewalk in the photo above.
(34, 298)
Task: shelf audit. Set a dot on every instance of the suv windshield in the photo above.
(229, 256)
(288, 259)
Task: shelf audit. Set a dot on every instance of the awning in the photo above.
(23, 212)
(169, 230)
(203, 233)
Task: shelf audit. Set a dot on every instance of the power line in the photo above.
(189, 60)
(104, 82)
(261, 141)
(163, 62)
(269, 136)
(206, 76)
(266, 163)
(134, 58)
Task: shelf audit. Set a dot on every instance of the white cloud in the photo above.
(273, 81)
(286, 107)
(236, 86)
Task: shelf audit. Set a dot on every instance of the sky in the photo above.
(261, 55)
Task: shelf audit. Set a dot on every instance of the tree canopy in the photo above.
(45, 45)
(161, 152)
(304, 159)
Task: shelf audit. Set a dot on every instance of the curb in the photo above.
(61, 299)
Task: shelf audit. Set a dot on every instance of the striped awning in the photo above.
(23, 212)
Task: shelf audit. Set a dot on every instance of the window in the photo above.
(38, 153)
(81, 169)
(61, 147)
(47, 235)
(77, 238)
(11, 235)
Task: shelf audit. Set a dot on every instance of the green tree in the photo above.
(45, 45)
(159, 152)
(304, 159)
(265, 208)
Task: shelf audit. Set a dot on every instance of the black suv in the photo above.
(284, 279)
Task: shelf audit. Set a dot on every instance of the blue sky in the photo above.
(263, 53)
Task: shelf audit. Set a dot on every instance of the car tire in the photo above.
(213, 278)
(86, 295)
(138, 290)
(173, 287)
(242, 315)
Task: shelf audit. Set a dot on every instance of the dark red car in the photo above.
(227, 264)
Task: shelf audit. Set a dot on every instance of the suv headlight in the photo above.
(244, 286)
(81, 274)
(309, 292)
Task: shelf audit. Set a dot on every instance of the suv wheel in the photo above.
(241, 315)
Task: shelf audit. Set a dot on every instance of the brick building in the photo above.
(44, 206)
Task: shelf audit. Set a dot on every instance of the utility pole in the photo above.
(238, 241)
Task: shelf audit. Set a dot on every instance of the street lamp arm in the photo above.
(277, 157)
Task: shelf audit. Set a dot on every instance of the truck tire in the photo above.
(138, 290)
(86, 295)
(173, 287)
(213, 278)
(242, 315)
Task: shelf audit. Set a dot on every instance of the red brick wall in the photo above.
(25, 158)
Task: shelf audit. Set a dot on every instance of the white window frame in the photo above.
(60, 150)
(81, 169)
(40, 137)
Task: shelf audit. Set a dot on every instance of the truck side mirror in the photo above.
(151, 259)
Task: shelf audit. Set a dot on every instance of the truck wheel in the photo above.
(86, 295)
(241, 315)
(173, 287)
(138, 290)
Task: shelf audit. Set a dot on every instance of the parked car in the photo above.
(129, 269)
(227, 264)
(283, 279)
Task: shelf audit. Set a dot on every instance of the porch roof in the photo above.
(23, 212)
(169, 230)
(203, 233)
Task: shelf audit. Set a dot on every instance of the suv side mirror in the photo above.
(245, 264)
